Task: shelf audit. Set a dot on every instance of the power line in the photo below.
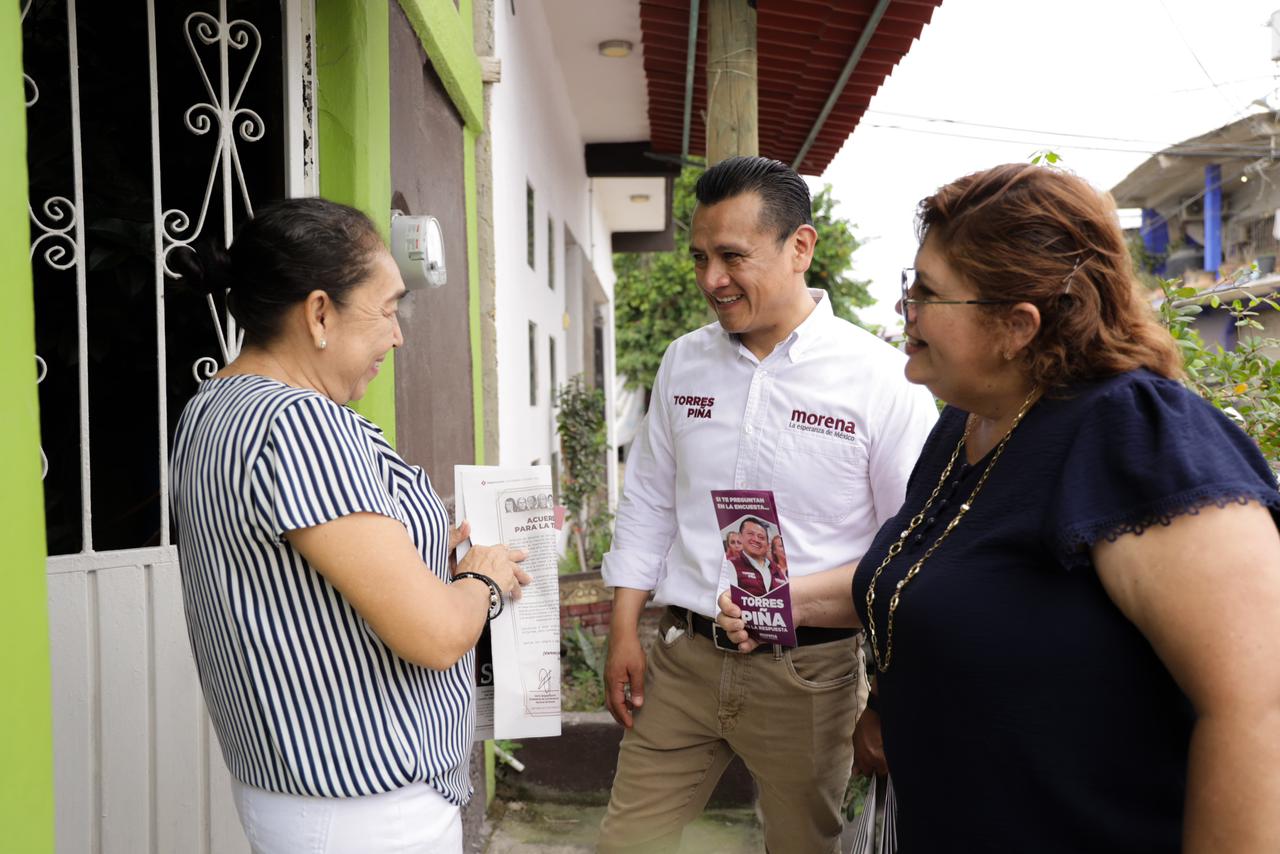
(1185, 149)
(1035, 143)
(1208, 147)
(1017, 129)
(1224, 83)
(1192, 51)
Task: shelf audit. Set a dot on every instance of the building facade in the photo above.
(130, 136)
(556, 211)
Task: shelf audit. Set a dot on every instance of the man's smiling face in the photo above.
(742, 268)
(755, 540)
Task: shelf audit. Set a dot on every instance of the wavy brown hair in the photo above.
(1043, 236)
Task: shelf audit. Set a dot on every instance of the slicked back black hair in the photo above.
(784, 196)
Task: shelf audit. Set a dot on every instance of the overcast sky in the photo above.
(1127, 72)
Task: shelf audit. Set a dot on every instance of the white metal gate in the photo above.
(137, 767)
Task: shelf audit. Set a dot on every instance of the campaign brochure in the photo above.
(518, 688)
(756, 560)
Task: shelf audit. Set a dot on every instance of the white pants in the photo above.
(412, 820)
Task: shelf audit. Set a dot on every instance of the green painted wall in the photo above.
(352, 51)
(446, 34)
(26, 706)
(352, 42)
(354, 151)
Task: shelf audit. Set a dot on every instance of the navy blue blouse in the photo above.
(1022, 711)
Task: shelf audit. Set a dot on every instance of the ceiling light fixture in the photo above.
(615, 48)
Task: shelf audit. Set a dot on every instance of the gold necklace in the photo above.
(882, 662)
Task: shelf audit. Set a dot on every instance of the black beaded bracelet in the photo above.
(495, 595)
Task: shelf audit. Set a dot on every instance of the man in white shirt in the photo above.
(779, 394)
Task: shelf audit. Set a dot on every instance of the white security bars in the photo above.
(224, 54)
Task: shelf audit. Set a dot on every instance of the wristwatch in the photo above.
(495, 595)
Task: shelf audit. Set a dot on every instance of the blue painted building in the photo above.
(1209, 214)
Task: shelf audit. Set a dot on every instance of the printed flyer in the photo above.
(515, 506)
(754, 552)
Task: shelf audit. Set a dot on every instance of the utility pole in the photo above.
(731, 80)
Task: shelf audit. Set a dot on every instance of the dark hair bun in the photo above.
(289, 249)
(204, 266)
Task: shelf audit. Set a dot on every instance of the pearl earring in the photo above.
(322, 344)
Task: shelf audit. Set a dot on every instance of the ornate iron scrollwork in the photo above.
(60, 254)
(41, 370)
(31, 90)
(233, 123)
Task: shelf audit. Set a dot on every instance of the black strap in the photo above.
(805, 635)
(495, 593)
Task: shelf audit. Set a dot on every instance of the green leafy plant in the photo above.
(1047, 157)
(569, 563)
(855, 796)
(1243, 382)
(832, 258)
(588, 650)
(504, 751)
(655, 298)
(1144, 261)
(582, 671)
(580, 423)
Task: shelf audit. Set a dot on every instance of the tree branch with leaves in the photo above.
(580, 423)
(1243, 382)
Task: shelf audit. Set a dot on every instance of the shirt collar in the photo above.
(810, 329)
(801, 337)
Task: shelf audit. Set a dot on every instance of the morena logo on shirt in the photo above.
(695, 405)
(826, 425)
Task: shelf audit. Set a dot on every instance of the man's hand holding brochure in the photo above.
(757, 604)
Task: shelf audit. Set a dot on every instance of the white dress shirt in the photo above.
(827, 421)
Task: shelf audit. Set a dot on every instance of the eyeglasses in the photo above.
(909, 281)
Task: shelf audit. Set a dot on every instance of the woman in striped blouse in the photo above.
(334, 648)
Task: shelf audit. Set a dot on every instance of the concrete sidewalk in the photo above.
(555, 804)
(520, 827)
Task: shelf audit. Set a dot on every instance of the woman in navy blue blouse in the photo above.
(334, 646)
(1076, 614)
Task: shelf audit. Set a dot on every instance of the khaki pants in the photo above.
(788, 713)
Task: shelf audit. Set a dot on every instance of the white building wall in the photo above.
(536, 141)
(601, 253)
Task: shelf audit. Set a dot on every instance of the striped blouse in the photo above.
(305, 698)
